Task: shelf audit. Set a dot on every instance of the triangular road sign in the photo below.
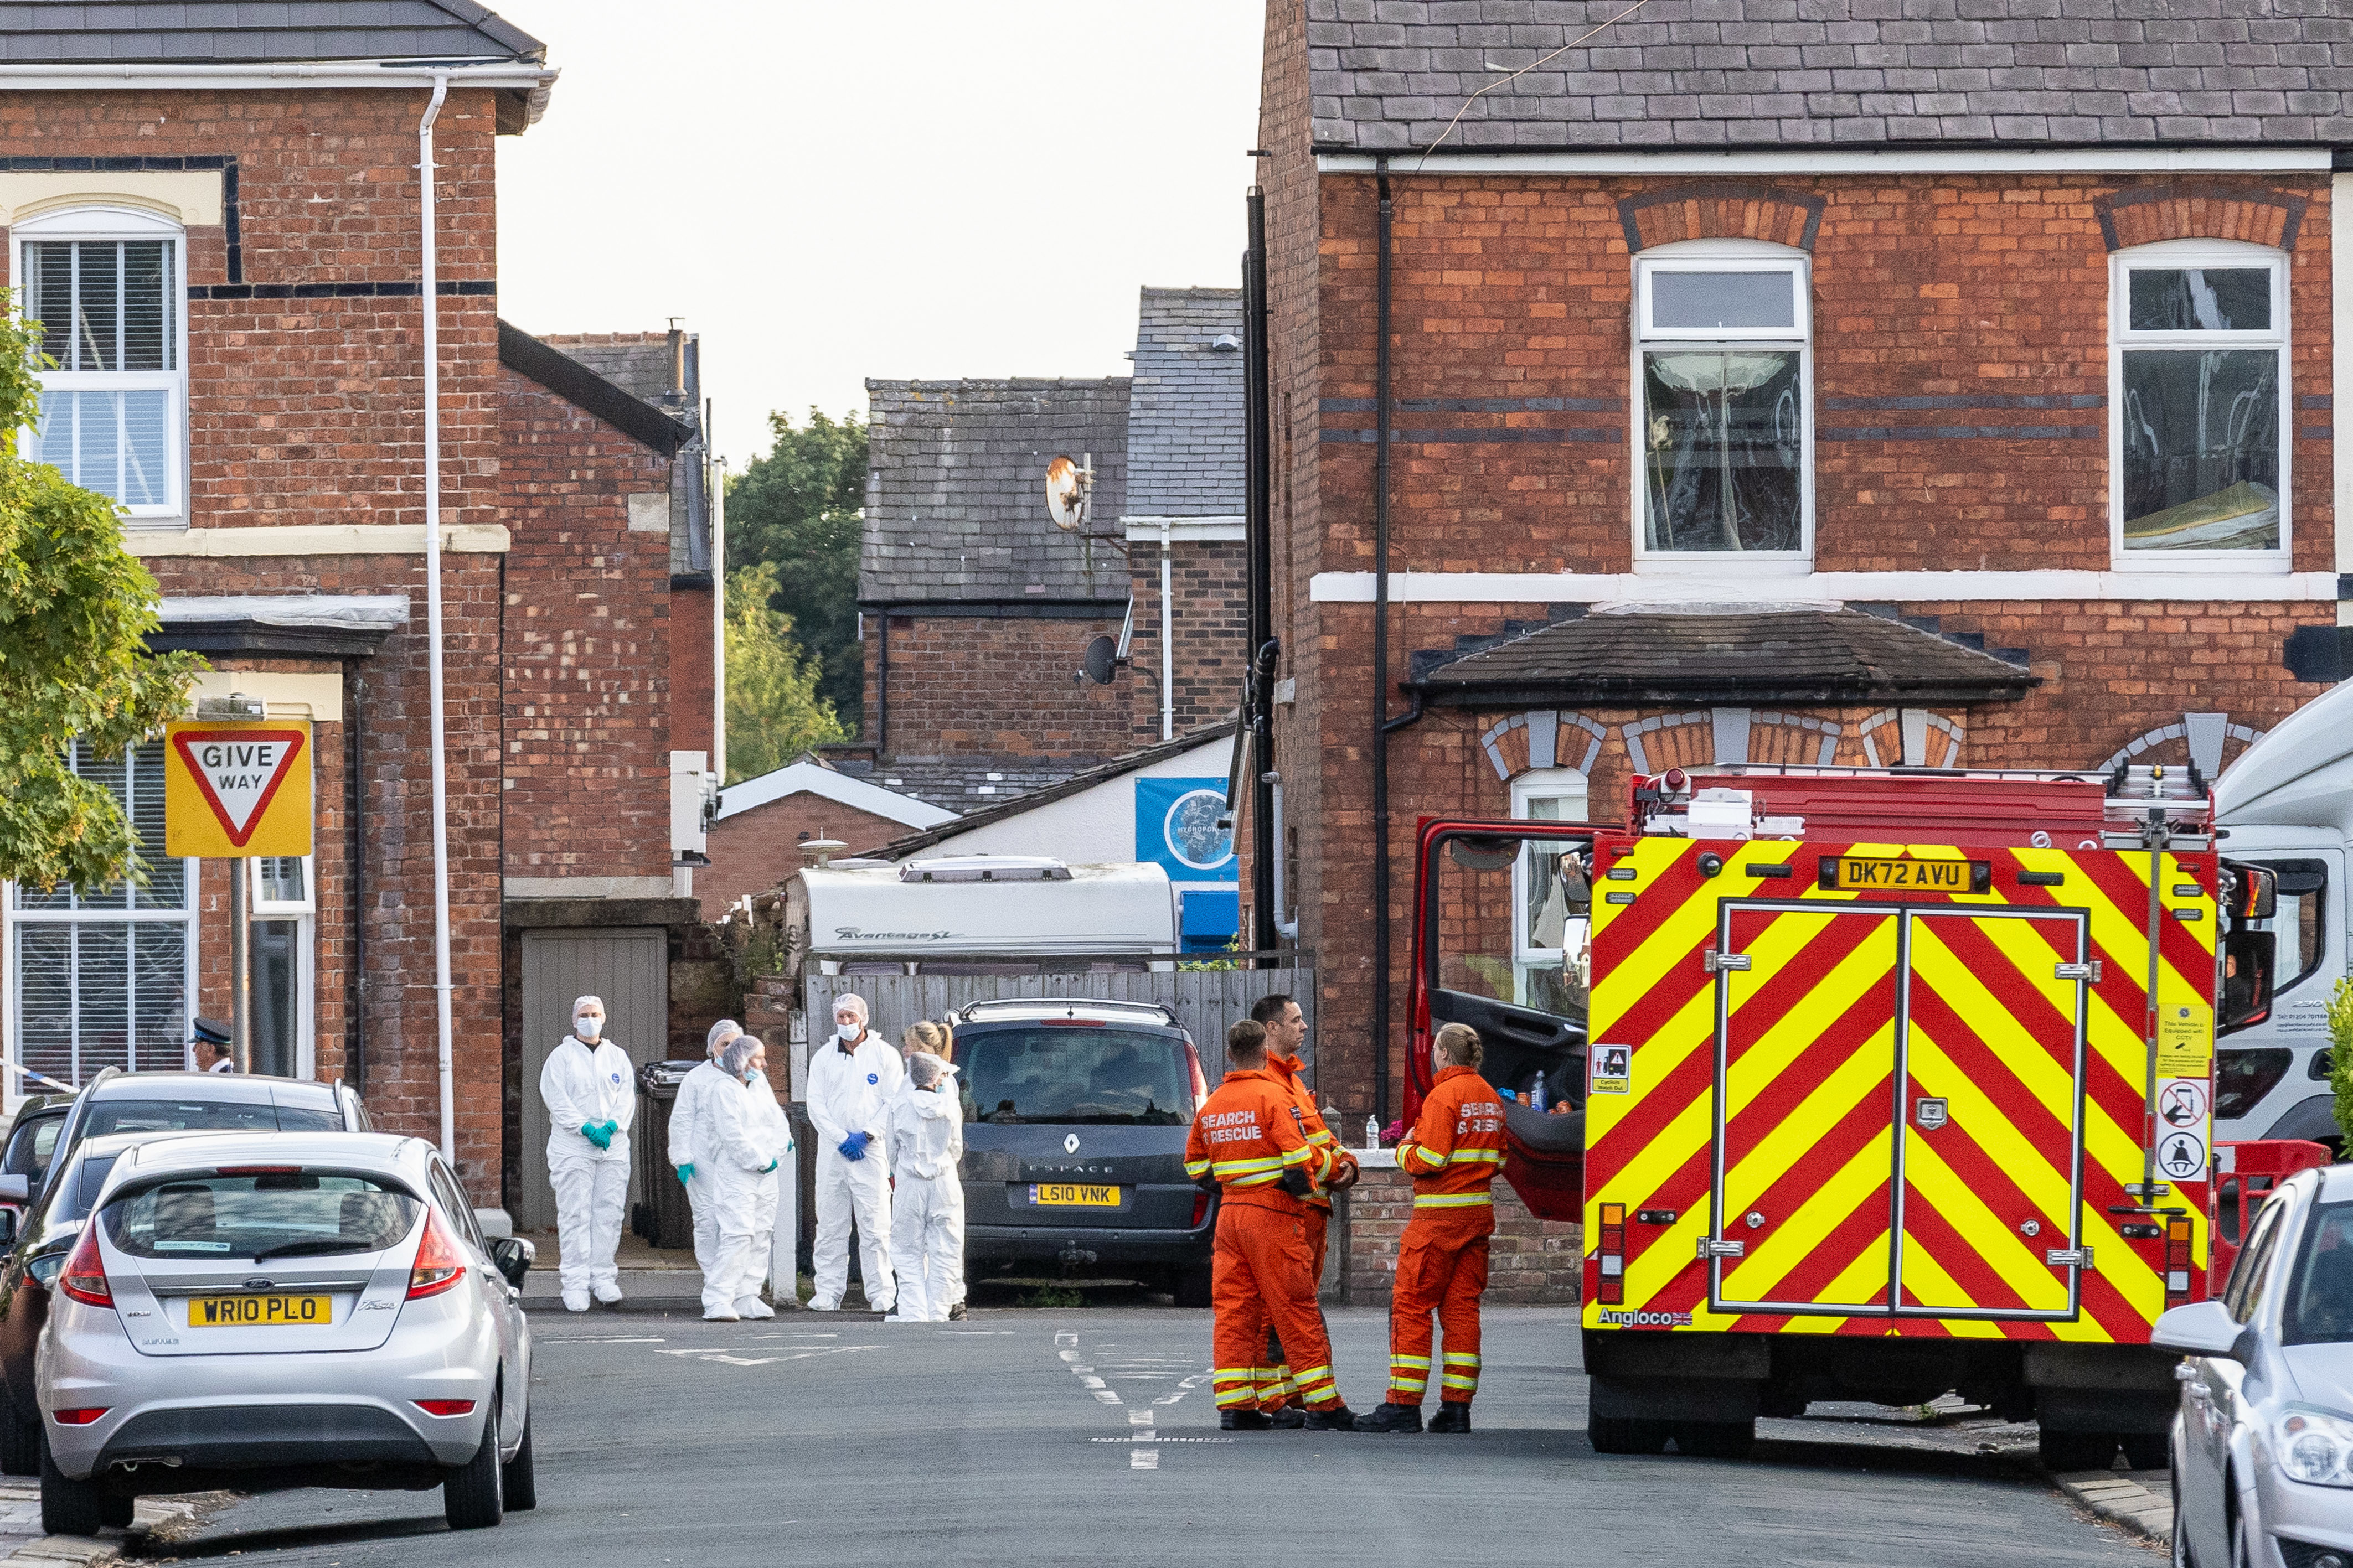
(238, 772)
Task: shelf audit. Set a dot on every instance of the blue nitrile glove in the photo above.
(769, 1167)
(854, 1146)
(686, 1174)
(612, 1130)
(595, 1133)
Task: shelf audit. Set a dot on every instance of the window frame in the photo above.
(1538, 784)
(1722, 255)
(2174, 255)
(100, 223)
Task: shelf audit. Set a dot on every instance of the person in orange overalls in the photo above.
(1248, 1138)
(1286, 1031)
(1453, 1155)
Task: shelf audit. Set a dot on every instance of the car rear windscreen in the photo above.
(1075, 1074)
(261, 1216)
(202, 1116)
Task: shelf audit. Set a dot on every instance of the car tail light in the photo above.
(445, 1406)
(1201, 1079)
(2177, 1260)
(78, 1417)
(1200, 1207)
(439, 1266)
(84, 1275)
(257, 1169)
(1612, 1256)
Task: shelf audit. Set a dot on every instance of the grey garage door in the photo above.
(630, 968)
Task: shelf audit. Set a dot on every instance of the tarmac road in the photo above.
(1088, 1436)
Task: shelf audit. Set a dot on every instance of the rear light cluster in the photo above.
(438, 1266)
(1200, 1205)
(445, 1406)
(78, 1417)
(1612, 1256)
(2177, 1260)
(84, 1276)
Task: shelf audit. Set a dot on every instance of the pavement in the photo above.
(652, 1280)
(1079, 1436)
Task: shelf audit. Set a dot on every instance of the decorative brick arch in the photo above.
(1541, 738)
(1721, 209)
(2143, 215)
(1940, 737)
(2160, 739)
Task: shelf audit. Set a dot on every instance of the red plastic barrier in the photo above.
(2245, 1171)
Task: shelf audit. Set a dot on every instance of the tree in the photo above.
(800, 508)
(74, 609)
(2340, 1058)
(775, 712)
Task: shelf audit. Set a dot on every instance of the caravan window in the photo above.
(1084, 1073)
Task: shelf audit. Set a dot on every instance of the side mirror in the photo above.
(514, 1256)
(2252, 892)
(16, 1189)
(1576, 887)
(2201, 1328)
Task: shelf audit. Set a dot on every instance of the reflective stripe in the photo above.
(1228, 1374)
(1197, 1167)
(1452, 1200)
(1228, 1167)
(1312, 1372)
(1299, 1156)
(1236, 1396)
(1464, 1156)
(1410, 1384)
(1413, 1152)
(1420, 1361)
(1452, 1381)
(1461, 1358)
(1266, 1181)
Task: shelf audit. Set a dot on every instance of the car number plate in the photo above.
(1072, 1194)
(260, 1311)
(1865, 874)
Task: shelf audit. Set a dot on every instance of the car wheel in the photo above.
(2145, 1450)
(470, 1494)
(1716, 1439)
(1623, 1435)
(68, 1506)
(2064, 1452)
(117, 1511)
(1192, 1286)
(20, 1440)
(515, 1476)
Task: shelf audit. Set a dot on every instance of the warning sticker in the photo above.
(2182, 1155)
(2185, 1040)
(1611, 1070)
(2181, 1103)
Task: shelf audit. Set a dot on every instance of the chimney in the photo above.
(676, 395)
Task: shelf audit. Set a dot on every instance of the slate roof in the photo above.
(1184, 410)
(1723, 655)
(239, 32)
(964, 785)
(1386, 75)
(955, 491)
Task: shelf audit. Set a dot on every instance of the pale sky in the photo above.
(832, 191)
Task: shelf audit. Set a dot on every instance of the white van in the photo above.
(2287, 803)
(920, 914)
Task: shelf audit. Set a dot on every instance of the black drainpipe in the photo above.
(1265, 652)
(355, 876)
(882, 689)
(1381, 658)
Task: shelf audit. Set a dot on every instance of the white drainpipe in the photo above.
(433, 614)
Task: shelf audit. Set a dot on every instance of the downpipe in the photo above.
(1380, 705)
(438, 742)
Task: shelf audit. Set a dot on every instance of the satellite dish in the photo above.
(1102, 658)
(1067, 486)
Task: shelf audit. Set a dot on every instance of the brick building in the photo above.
(1765, 383)
(216, 211)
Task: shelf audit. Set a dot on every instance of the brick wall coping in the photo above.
(317, 539)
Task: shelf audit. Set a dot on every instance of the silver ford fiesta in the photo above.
(265, 1311)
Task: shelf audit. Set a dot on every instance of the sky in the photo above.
(828, 191)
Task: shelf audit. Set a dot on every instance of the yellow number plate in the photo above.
(259, 1311)
(1069, 1195)
(1857, 875)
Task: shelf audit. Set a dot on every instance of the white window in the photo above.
(2198, 378)
(1543, 932)
(107, 285)
(1724, 365)
(102, 978)
(281, 916)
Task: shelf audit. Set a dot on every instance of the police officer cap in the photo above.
(209, 1033)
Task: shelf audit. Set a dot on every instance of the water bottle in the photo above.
(1536, 1094)
(1372, 1132)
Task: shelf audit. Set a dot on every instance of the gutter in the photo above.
(531, 78)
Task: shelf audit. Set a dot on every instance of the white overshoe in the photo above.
(718, 1316)
(575, 1300)
(822, 1306)
(754, 1308)
(608, 1294)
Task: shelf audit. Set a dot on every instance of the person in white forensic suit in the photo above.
(689, 1121)
(937, 1039)
(852, 1078)
(776, 1248)
(744, 1154)
(591, 1096)
(927, 1202)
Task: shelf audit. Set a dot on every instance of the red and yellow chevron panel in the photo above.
(1896, 1101)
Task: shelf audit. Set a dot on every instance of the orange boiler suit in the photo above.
(1283, 1389)
(1452, 1153)
(1247, 1136)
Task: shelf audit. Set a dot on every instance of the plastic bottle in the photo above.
(1372, 1132)
(1536, 1094)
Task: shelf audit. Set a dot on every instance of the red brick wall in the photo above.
(979, 686)
(754, 852)
(586, 657)
(1530, 1261)
(1210, 630)
(691, 646)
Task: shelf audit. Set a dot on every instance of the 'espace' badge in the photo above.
(1611, 1070)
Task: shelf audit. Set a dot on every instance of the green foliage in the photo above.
(800, 508)
(775, 712)
(2340, 1058)
(74, 608)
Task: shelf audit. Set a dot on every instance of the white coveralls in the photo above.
(747, 1137)
(592, 1185)
(851, 1092)
(928, 1203)
(776, 1250)
(689, 1123)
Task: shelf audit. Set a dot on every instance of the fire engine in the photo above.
(1866, 1085)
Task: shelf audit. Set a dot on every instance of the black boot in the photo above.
(1242, 1421)
(957, 1313)
(1452, 1416)
(1290, 1418)
(1332, 1418)
(1390, 1418)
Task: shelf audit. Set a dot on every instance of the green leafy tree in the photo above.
(75, 607)
(2340, 1058)
(800, 508)
(775, 712)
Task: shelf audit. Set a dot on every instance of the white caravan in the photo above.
(2287, 803)
(981, 909)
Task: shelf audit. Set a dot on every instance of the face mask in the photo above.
(750, 1073)
(587, 1028)
(850, 1031)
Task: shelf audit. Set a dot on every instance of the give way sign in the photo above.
(237, 787)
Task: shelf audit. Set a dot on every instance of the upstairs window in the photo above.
(114, 408)
(2199, 383)
(1722, 357)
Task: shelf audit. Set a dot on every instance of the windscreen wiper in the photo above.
(315, 1244)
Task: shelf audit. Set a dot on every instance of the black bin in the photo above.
(663, 1216)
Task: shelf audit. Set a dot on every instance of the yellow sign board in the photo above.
(237, 787)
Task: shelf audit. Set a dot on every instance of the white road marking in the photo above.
(713, 1354)
(565, 1339)
(1144, 1458)
(1139, 1418)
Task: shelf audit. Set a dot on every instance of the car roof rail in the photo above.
(1070, 1007)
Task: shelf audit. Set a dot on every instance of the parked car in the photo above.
(1076, 1112)
(261, 1311)
(32, 1142)
(2262, 1447)
(119, 1101)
